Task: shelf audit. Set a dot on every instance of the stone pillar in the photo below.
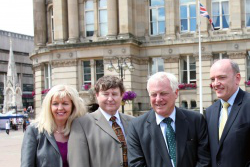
(73, 21)
(112, 18)
(207, 92)
(125, 18)
(39, 10)
(170, 21)
(60, 21)
(235, 15)
(204, 20)
(96, 13)
(171, 64)
(240, 58)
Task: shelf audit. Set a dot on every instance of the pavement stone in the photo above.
(10, 148)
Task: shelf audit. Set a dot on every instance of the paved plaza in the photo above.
(10, 148)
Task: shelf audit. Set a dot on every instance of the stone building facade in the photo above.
(77, 40)
(22, 45)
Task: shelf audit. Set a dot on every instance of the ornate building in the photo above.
(76, 42)
(12, 86)
(21, 46)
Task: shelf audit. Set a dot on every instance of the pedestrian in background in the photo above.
(46, 140)
(7, 127)
(24, 125)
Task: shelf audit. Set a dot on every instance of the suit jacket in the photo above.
(93, 142)
(233, 149)
(146, 145)
(39, 150)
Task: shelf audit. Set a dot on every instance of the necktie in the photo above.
(170, 136)
(223, 119)
(119, 134)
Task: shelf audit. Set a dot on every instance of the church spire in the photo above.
(12, 73)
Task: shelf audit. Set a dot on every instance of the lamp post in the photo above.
(121, 67)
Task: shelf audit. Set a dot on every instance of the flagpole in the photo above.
(200, 67)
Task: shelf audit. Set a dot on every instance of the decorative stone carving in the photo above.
(123, 50)
(110, 51)
(70, 54)
(237, 55)
(171, 59)
(58, 56)
(204, 56)
(37, 67)
(64, 63)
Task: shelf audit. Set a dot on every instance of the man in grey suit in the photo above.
(167, 135)
(93, 141)
(228, 118)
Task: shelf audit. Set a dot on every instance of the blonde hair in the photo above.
(45, 120)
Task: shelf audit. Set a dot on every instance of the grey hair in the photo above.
(161, 76)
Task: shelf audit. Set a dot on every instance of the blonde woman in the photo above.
(45, 141)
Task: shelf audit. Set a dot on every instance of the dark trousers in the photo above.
(7, 131)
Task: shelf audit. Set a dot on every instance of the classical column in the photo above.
(96, 13)
(235, 16)
(170, 21)
(125, 18)
(73, 21)
(39, 10)
(60, 21)
(112, 17)
(204, 20)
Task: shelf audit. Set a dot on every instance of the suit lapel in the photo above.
(52, 141)
(181, 126)
(215, 122)
(156, 134)
(232, 116)
(103, 124)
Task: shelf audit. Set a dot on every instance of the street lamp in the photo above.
(121, 67)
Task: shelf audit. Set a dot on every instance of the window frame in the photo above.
(188, 4)
(157, 64)
(47, 78)
(248, 26)
(220, 13)
(85, 18)
(99, 19)
(157, 7)
(189, 80)
(93, 72)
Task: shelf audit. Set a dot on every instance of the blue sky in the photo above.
(17, 16)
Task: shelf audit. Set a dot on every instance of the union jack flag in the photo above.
(204, 13)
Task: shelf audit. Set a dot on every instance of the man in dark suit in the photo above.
(228, 125)
(93, 141)
(167, 135)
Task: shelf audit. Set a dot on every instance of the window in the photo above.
(28, 87)
(88, 70)
(247, 13)
(188, 15)
(99, 69)
(218, 56)
(156, 65)
(47, 76)
(86, 73)
(157, 17)
(220, 12)
(52, 23)
(248, 66)
(188, 69)
(89, 18)
(103, 18)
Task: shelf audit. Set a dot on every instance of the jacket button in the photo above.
(121, 163)
(218, 163)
